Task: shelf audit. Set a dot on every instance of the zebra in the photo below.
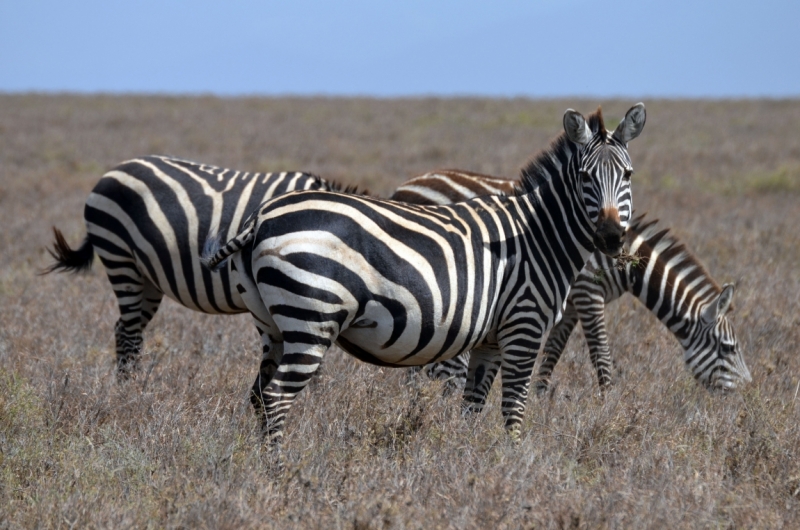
(686, 299)
(402, 285)
(148, 218)
(672, 283)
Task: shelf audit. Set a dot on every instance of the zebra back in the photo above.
(154, 213)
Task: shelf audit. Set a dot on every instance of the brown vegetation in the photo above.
(177, 447)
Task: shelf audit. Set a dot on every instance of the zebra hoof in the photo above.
(514, 435)
(125, 372)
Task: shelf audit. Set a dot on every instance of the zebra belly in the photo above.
(369, 338)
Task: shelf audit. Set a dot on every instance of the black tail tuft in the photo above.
(68, 260)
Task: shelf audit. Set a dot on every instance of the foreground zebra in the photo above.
(404, 285)
(148, 219)
(665, 276)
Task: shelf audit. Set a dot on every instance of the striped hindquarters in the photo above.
(148, 219)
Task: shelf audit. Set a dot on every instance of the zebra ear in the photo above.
(632, 124)
(719, 306)
(576, 127)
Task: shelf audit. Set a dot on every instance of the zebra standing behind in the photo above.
(148, 219)
(664, 275)
(404, 285)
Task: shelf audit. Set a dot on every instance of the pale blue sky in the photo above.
(360, 47)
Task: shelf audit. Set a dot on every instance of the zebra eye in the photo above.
(585, 176)
(727, 349)
(627, 174)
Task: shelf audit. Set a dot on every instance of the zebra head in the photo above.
(605, 172)
(713, 353)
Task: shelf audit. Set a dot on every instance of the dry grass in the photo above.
(177, 447)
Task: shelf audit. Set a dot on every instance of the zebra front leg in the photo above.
(593, 321)
(554, 347)
(484, 362)
(517, 368)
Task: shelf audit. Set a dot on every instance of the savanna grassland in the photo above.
(178, 446)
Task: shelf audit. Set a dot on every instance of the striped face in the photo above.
(605, 176)
(604, 173)
(713, 355)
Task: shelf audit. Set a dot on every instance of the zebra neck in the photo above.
(553, 210)
(559, 197)
(668, 280)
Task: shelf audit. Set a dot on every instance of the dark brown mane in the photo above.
(536, 171)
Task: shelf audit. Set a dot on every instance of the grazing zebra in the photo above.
(664, 275)
(669, 280)
(403, 285)
(148, 219)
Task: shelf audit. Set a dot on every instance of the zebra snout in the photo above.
(609, 235)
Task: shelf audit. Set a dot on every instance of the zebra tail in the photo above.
(68, 260)
(215, 255)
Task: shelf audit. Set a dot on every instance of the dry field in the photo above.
(178, 447)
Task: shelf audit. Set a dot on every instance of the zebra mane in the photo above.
(596, 123)
(332, 185)
(536, 172)
(662, 239)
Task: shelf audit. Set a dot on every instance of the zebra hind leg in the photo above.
(272, 353)
(299, 363)
(138, 302)
(129, 345)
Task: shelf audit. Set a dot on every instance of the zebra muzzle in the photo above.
(608, 238)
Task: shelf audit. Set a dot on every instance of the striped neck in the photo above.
(551, 179)
(668, 278)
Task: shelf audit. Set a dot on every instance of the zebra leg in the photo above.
(138, 301)
(151, 301)
(298, 365)
(271, 356)
(484, 362)
(516, 368)
(593, 321)
(554, 347)
(452, 371)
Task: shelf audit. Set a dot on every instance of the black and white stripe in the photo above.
(669, 280)
(664, 275)
(404, 285)
(148, 219)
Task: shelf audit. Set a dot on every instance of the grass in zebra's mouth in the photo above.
(625, 259)
(620, 263)
(364, 449)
